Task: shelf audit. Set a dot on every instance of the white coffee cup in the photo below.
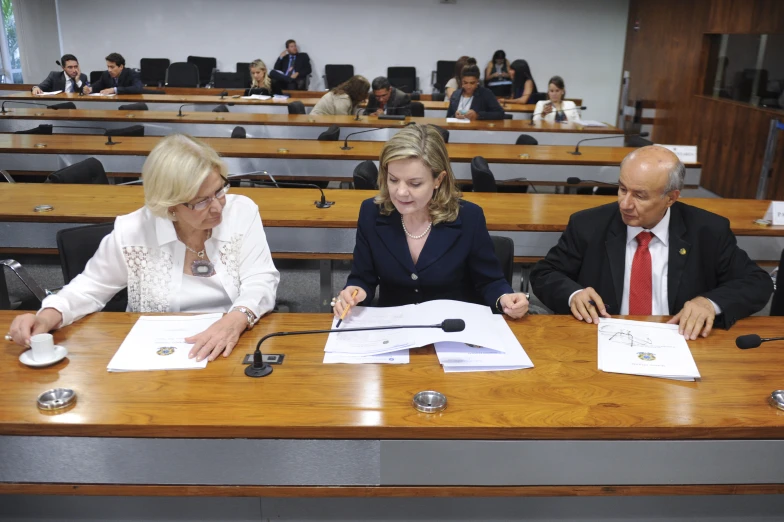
(43, 347)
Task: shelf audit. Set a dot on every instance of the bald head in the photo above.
(651, 181)
(658, 165)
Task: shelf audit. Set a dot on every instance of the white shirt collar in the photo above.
(661, 230)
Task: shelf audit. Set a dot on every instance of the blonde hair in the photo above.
(175, 170)
(259, 64)
(424, 143)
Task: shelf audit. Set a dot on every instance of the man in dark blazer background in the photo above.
(386, 99)
(685, 261)
(472, 101)
(69, 79)
(117, 79)
(292, 68)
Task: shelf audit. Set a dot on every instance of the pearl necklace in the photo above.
(420, 236)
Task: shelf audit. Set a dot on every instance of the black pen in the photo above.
(606, 308)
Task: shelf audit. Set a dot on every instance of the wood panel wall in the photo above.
(667, 58)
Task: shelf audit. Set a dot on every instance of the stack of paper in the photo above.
(158, 343)
(641, 348)
(52, 93)
(507, 354)
(257, 97)
(101, 94)
(591, 123)
(458, 120)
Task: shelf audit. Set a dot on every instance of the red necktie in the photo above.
(640, 286)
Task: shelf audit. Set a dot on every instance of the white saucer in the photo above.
(59, 354)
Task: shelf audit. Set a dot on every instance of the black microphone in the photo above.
(3, 111)
(223, 94)
(577, 152)
(323, 203)
(345, 142)
(179, 113)
(581, 107)
(577, 181)
(259, 368)
(744, 342)
(102, 129)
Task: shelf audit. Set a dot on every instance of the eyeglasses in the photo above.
(204, 203)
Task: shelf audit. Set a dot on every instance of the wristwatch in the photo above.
(250, 315)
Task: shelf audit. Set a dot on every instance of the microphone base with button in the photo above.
(324, 204)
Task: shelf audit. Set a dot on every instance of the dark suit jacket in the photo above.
(399, 103)
(457, 262)
(592, 252)
(56, 82)
(128, 82)
(484, 103)
(301, 64)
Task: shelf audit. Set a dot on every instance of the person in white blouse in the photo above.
(555, 108)
(191, 248)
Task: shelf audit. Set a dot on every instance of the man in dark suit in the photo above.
(472, 101)
(117, 79)
(385, 99)
(70, 79)
(651, 255)
(292, 68)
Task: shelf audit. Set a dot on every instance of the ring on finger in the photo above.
(335, 300)
(8, 337)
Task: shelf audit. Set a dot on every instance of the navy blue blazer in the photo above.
(458, 261)
(485, 104)
(129, 82)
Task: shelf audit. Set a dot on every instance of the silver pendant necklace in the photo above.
(420, 236)
(201, 267)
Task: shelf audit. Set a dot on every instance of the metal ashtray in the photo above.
(763, 222)
(56, 399)
(430, 401)
(283, 151)
(776, 399)
(43, 208)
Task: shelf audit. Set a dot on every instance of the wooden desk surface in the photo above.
(312, 149)
(564, 397)
(281, 207)
(304, 120)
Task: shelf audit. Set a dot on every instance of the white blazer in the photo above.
(144, 254)
(569, 108)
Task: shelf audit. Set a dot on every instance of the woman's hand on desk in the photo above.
(514, 305)
(222, 336)
(27, 325)
(344, 299)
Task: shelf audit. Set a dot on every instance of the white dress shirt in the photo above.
(571, 111)
(144, 254)
(660, 259)
(69, 85)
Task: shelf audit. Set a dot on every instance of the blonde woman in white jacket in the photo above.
(191, 248)
(555, 108)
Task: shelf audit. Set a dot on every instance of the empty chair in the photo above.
(63, 105)
(442, 131)
(239, 132)
(95, 76)
(228, 80)
(89, 171)
(138, 106)
(482, 178)
(221, 108)
(417, 109)
(243, 69)
(181, 74)
(403, 78)
(152, 71)
(205, 65)
(41, 129)
(526, 139)
(777, 303)
(334, 75)
(415, 96)
(131, 130)
(296, 107)
(77, 245)
(438, 96)
(366, 176)
(445, 70)
(504, 251)
(331, 134)
(508, 116)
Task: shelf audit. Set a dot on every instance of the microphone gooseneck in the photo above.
(576, 151)
(323, 203)
(179, 112)
(345, 141)
(259, 368)
(102, 129)
(576, 181)
(3, 111)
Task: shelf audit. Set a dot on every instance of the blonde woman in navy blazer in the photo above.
(418, 241)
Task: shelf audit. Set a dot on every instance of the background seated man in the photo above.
(472, 101)
(650, 254)
(117, 79)
(386, 99)
(69, 80)
(292, 68)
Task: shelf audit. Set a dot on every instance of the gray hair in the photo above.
(675, 177)
(379, 83)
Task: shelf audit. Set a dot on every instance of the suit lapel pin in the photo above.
(682, 251)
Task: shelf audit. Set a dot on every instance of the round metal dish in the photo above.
(429, 401)
(56, 399)
(43, 208)
(776, 399)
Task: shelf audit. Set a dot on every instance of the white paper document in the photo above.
(158, 343)
(400, 357)
(257, 97)
(48, 93)
(507, 355)
(642, 348)
(591, 123)
(458, 120)
(101, 94)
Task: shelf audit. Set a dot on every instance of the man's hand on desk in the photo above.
(514, 305)
(87, 89)
(109, 90)
(696, 318)
(37, 90)
(584, 310)
(222, 336)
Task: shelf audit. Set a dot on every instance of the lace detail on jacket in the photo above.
(230, 257)
(149, 277)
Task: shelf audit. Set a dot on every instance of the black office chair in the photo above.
(504, 251)
(445, 70)
(331, 134)
(77, 245)
(95, 76)
(482, 178)
(296, 107)
(366, 176)
(182, 74)
(131, 130)
(152, 71)
(41, 129)
(221, 108)
(438, 96)
(228, 80)
(637, 141)
(415, 96)
(777, 304)
(442, 131)
(205, 64)
(63, 105)
(89, 171)
(526, 139)
(334, 74)
(417, 109)
(508, 116)
(243, 69)
(239, 132)
(403, 78)
(138, 106)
